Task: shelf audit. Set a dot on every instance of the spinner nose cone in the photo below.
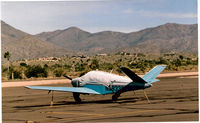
(76, 82)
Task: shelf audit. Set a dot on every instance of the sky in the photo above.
(95, 16)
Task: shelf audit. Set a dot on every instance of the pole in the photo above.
(146, 97)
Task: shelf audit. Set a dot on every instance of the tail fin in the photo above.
(150, 77)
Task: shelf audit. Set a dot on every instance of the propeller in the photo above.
(82, 74)
(68, 77)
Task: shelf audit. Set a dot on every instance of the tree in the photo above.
(7, 56)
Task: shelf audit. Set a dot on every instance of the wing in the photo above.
(64, 89)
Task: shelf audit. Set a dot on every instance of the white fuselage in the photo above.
(104, 78)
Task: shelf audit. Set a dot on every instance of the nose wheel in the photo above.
(77, 97)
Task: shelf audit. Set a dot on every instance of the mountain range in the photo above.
(169, 37)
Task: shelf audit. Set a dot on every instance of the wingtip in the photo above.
(27, 86)
(162, 65)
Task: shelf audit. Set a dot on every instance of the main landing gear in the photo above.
(115, 96)
(77, 97)
(51, 104)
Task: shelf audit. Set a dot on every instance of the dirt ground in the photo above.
(172, 99)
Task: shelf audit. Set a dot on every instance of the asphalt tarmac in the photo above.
(172, 99)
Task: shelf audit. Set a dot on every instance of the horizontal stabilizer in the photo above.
(155, 80)
(65, 89)
(153, 73)
(132, 75)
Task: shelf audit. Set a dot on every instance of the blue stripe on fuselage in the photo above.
(113, 89)
(99, 88)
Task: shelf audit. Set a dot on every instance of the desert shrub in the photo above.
(106, 66)
(54, 58)
(177, 62)
(36, 71)
(56, 66)
(132, 65)
(46, 66)
(58, 72)
(171, 67)
(141, 55)
(181, 57)
(79, 67)
(95, 64)
(195, 62)
(67, 66)
(23, 64)
(17, 74)
(4, 69)
(118, 70)
(161, 61)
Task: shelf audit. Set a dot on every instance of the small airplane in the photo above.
(99, 82)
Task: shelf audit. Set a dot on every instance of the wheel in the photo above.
(115, 96)
(77, 97)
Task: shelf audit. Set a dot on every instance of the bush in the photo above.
(59, 72)
(106, 66)
(36, 71)
(67, 66)
(46, 66)
(94, 65)
(56, 66)
(3, 69)
(23, 64)
(17, 74)
(79, 67)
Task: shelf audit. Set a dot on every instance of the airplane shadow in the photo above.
(60, 103)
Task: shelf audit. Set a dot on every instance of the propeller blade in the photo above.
(82, 74)
(67, 77)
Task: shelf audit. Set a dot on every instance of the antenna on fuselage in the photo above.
(111, 71)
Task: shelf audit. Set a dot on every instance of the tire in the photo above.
(115, 97)
(77, 97)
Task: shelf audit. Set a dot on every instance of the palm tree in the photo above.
(7, 56)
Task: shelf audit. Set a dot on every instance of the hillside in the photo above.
(164, 38)
(22, 45)
(169, 37)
